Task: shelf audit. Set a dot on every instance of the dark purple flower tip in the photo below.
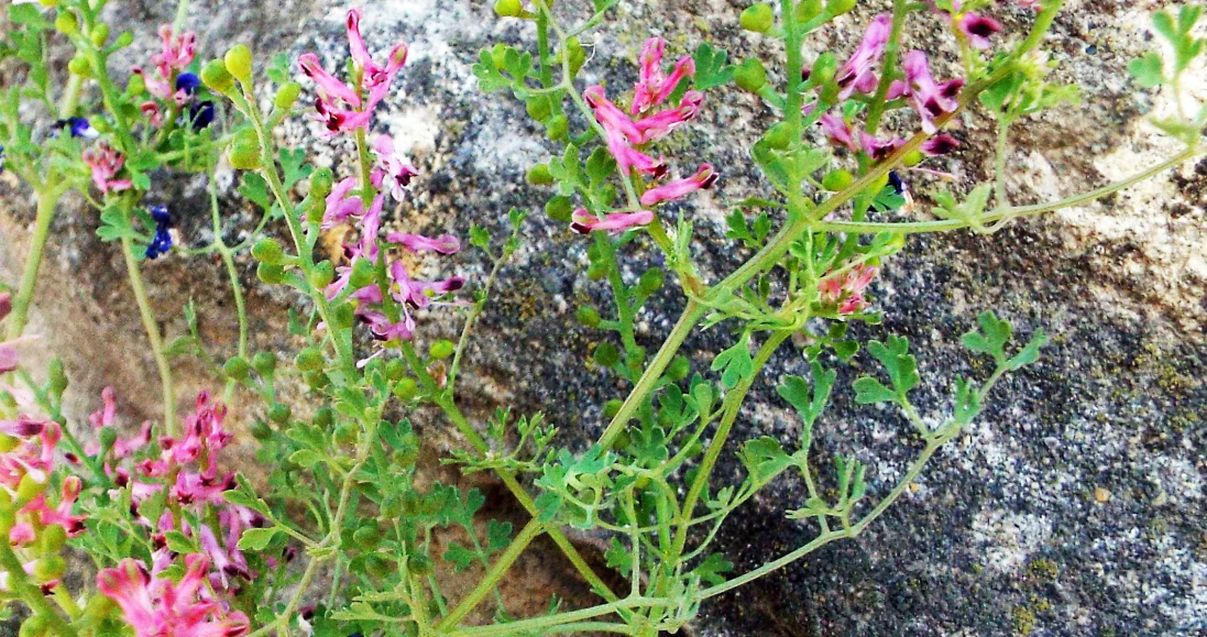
(201, 115)
(1, 159)
(188, 83)
(895, 181)
(77, 127)
(160, 214)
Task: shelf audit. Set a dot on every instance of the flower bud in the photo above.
(316, 381)
(395, 369)
(758, 18)
(441, 349)
(839, 7)
(509, 8)
(215, 76)
(750, 75)
(322, 275)
(270, 274)
(34, 626)
(287, 96)
(309, 359)
(406, 389)
(539, 175)
(538, 107)
(49, 567)
(261, 431)
(343, 315)
(824, 68)
(837, 179)
(269, 251)
(587, 315)
(606, 354)
(53, 538)
(236, 367)
(99, 34)
(238, 61)
(364, 273)
(67, 23)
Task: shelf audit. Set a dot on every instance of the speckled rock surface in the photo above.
(1074, 506)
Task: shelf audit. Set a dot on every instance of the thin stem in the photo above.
(151, 326)
(491, 579)
(891, 51)
(1001, 150)
(48, 199)
(561, 619)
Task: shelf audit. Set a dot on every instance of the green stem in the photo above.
(891, 51)
(151, 326)
(30, 593)
(492, 577)
(550, 621)
(48, 198)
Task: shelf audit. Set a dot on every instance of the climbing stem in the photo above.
(151, 326)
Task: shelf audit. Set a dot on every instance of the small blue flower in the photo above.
(188, 83)
(1, 159)
(162, 241)
(201, 115)
(895, 181)
(77, 126)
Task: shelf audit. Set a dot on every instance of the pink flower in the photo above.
(846, 289)
(653, 86)
(704, 178)
(929, 98)
(857, 74)
(158, 607)
(176, 52)
(444, 244)
(940, 144)
(392, 169)
(616, 222)
(978, 29)
(105, 164)
(347, 107)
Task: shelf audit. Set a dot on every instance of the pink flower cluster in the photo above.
(175, 55)
(155, 606)
(845, 289)
(106, 163)
(344, 107)
(184, 471)
(626, 135)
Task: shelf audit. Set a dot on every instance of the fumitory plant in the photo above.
(151, 529)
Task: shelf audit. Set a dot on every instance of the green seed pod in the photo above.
(265, 363)
(287, 96)
(823, 70)
(53, 538)
(268, 250)
(270, 274)
(806, 10)
(316, 380)
(913, 158)
(635, 355)
(323, 274)
(99, 34)
(396, 369)
(441, 349)
(606, 354)
(509, 8)
(67, 23)
(280, 413)
(321, 182)
(57, 377)
(49, 567)
(778, 137)
(578, 55)
(34, 626)
(343, 315)
(406, 389)
(679, 368)
(29, 488)
(244, 157)
(837, 179)
(238, 61)
(612, 407)
(236, 367)
(758, 18)
(309, 359)
(839, 7)
(124, 39)
(560, 209)
(136, 85)
(215, 76)
(587, 315)
(539, 175)
(79, 66)
(538, 107)
(364, 272)
(324, 417)
(557, 127)
(750, 75)
(651, 281)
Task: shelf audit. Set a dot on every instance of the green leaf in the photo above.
(305, 458)
(736, 362)
(28, 16)
(498, 535)
(257, 539)
(1148, 70)
(178, 542)
(1030, 352)
(712, 69)
(255, 189)
(809, 403)
(460, 556)
(901, 367)
(968, 402)
(990, 338)
(619, 557)
(764, 458)
(115, 225)
(713, 567)
(294, 166)
(869, 391)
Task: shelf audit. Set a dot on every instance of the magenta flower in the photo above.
(978, 29)
(347, 107)
(929, 98)
(857, 74)
(443, 244)
(846, 289)
(106, 163)
(392, 168)
(616, 222)
(176, 52)
(704, 178)
(654, 86)
(158, 607)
